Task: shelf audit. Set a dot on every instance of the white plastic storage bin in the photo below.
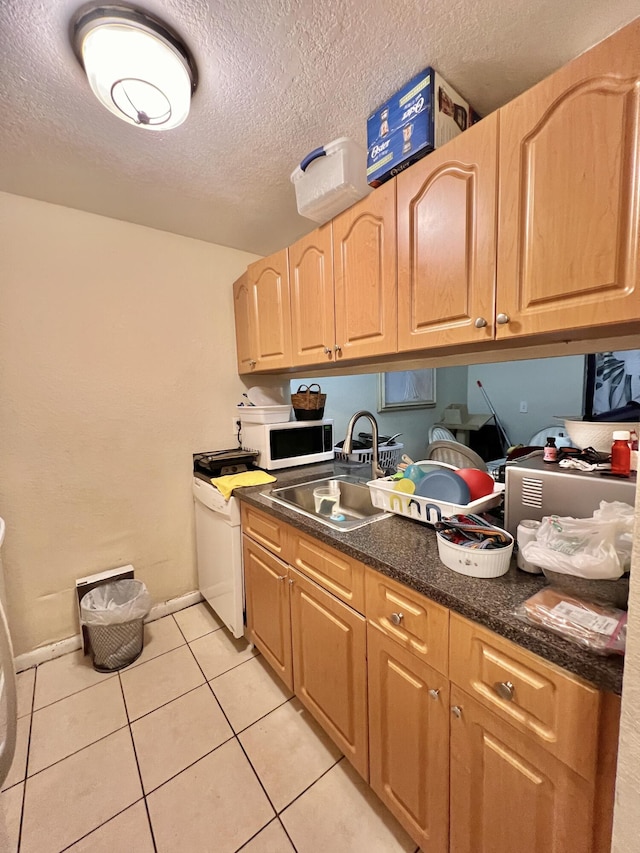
(264, 414)
(330, 179)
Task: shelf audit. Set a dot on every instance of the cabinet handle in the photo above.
(434, 694)
(290, 581)
(502, 319)
(327, 350)
(456, 710)
(252, 363)
(397, 618)
(281, 578)
(338, 348)
(480, 323)
(505, 690)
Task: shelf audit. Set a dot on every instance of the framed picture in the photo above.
(407, 389)
(613, 381)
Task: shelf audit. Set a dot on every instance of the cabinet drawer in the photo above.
(336, 572)
(559, 710)
(266, 530)
(423, 625)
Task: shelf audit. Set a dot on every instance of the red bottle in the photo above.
(621, 453)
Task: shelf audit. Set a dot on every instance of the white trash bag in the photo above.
(116, 602)
(584, 547)
(622, 514)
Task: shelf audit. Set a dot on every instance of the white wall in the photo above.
(117, 362)
(550, 386)
(348, 394)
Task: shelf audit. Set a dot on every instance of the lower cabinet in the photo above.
(330, 666)
(409, 740)
(509, 795)
(267, 595)
(316, 644)
(473, 743)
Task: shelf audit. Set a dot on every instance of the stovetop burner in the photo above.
(218, 463)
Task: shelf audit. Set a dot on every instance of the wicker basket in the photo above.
(308, 405)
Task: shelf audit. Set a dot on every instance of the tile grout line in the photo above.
(100, 825)
(135, 755)
(71, 754)
(26, 766)
(324, 773)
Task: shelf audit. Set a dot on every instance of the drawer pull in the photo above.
(397, 618)
(505, 690)
(456, 710)
(435, 694)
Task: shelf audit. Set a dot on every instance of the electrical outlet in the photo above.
(524, 408)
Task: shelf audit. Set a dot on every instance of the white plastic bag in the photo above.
(575, 546)
(116, 602)
(622, 515)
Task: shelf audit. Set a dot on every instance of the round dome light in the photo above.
(136, 67)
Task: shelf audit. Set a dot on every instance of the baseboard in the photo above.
(72, 644)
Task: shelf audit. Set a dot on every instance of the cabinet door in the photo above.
(330, 666)
(269, 294)
(312, 311)
(364, 263)
(244, 330)
(447, 242)
(267, 600)
(569, 227)
(409, 740)
(507, 794)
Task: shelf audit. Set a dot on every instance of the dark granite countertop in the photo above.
(407, 551)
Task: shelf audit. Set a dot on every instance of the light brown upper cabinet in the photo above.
(343, 284)
(364, 272)
(569, 222)
(244, 320)
(312, 309)
(267, 344)
(447, 242)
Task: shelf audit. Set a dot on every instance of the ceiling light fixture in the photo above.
(136, 66)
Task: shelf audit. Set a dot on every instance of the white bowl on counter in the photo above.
(596, 434)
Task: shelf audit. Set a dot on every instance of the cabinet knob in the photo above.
(397, 618)
(502, 319)
(252, 363)
(281, 578)
(338, 348)
(480, 323)
(505, 690)
(434, 694)
(456, 710)
(290, 581)
(327, 350)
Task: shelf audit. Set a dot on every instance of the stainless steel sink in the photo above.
(355, 507)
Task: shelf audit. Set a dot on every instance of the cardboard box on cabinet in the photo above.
(421, 116)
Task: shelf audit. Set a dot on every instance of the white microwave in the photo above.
(290, 444)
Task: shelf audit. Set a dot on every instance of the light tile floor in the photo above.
(197, 747)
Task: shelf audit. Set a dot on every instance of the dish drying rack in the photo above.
(388, 455)
(384, 496)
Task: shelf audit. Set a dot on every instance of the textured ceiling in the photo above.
(277, 78)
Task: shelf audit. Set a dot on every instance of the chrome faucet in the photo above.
(347, 447)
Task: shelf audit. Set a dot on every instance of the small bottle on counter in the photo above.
(550, 453)
(621, 453)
